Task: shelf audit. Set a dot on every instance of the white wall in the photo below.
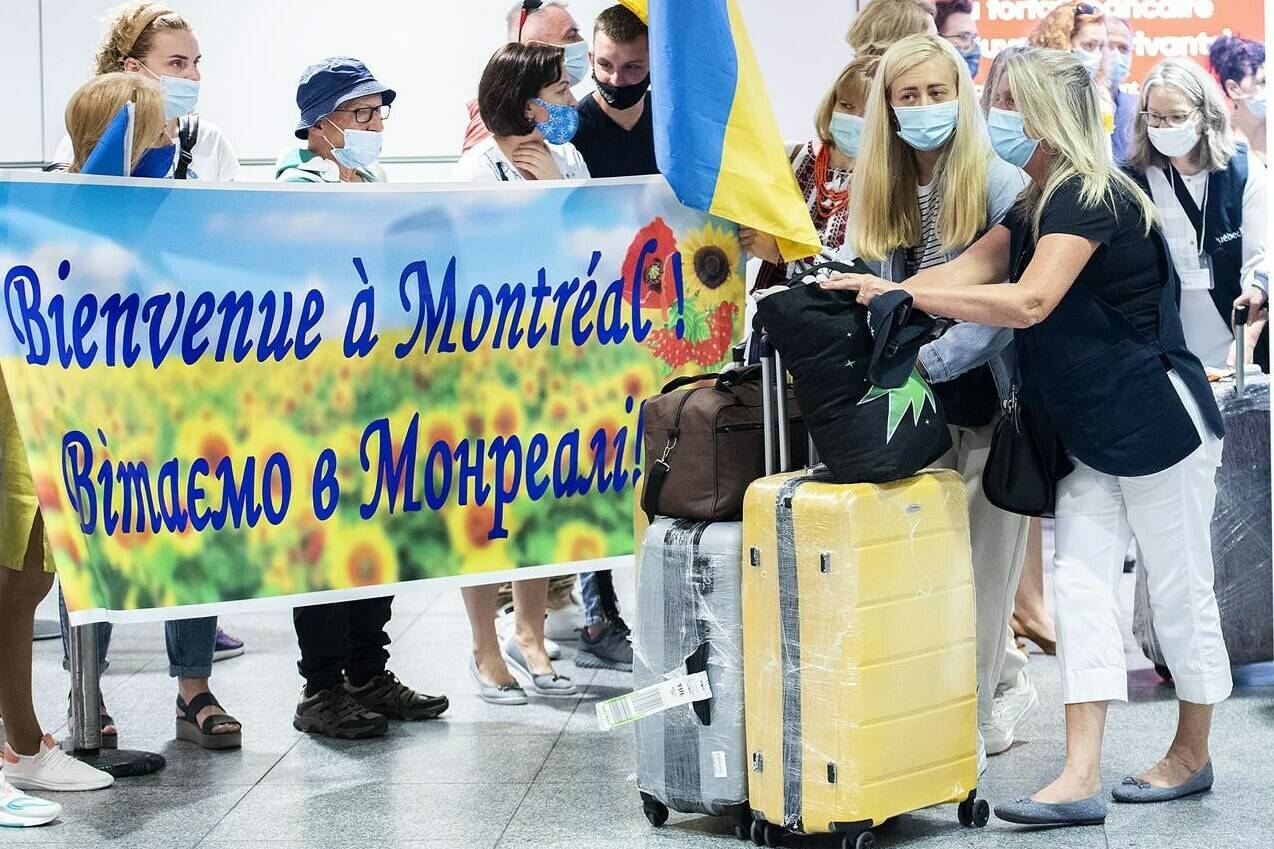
(431, 52)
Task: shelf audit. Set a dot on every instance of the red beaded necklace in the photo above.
(827, 202)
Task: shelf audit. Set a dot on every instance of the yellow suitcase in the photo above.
(859, 681)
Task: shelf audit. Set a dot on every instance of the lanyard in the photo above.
(1191, 209)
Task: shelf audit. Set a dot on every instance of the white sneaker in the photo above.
(52, 769)
(504, 630)
(1012, 705)
(564, 623)
(18, 810)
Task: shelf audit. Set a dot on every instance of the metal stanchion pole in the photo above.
(85, 743)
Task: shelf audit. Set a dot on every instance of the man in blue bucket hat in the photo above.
(343, 113)
(349, 693)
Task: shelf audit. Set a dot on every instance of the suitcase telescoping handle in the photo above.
(777, 426)
(1240, 350)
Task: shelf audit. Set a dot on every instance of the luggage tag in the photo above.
(654, 699)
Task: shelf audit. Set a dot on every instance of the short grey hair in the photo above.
(1216, 139)
(515, 16)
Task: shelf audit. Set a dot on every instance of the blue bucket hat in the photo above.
(327, 84)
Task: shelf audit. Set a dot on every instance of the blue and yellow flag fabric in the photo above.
(716, 139)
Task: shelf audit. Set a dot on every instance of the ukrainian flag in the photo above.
(716, 139)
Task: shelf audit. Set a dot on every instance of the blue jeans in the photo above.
(190, 643)
(597, 592)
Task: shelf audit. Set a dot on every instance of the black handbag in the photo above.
(1017, 478)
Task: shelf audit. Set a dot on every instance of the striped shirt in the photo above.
(930, 251)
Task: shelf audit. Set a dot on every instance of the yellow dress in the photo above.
(18, 502)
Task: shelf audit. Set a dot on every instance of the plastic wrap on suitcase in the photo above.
(1241, 531)
(692, 757)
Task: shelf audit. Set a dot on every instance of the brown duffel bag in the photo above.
(704, 444)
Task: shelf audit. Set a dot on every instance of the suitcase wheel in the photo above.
(863, 840)
(741, 830)
(773, 835)
(974, 812)
(757, 833)
(655, 810)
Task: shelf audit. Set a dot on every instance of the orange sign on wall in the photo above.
(1162, 29)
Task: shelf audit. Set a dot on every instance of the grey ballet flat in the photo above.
(1134, 790)
(1090, 811)
(493, 694)
(552, 685)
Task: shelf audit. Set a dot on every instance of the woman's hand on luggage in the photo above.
(867, 286)
(1256, 301)
(760, 245)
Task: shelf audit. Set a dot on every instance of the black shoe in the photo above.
(610, 649)
(389, 697)
(334, 713)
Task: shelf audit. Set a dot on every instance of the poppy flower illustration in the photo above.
(657, 288)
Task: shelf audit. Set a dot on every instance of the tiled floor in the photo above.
(544, 775)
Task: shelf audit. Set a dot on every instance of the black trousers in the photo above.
(346, 638)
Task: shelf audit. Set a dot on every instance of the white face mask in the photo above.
(181, 95)
(1175, 141)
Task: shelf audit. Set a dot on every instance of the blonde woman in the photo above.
(32, 760)
(153, 41)
(1211, 195)
(1121, 410)
(823, 168)
(884, 23)
(927, 186)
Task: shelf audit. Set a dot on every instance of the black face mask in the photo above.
(622, 96)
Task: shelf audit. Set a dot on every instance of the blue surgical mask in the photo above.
(1090, 59)
(927, 127)
(973, 59)
(847, 132)
(562, 123)
(156, 162)
(577, 67)
(361, 148)
(1120, 67)
(1009, 139)
(181, 95)
(1256, 105)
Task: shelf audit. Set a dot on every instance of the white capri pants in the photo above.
(1169, 514)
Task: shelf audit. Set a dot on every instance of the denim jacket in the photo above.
(965, 346)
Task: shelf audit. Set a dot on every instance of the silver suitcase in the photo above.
(692, 757)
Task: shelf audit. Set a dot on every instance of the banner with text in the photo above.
(1162, 29)
(233, 393)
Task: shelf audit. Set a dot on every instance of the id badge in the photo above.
(1196, 279)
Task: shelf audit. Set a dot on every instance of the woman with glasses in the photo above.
(1239, 65)
(1211, 195)
(1121, 413)
(956, 24)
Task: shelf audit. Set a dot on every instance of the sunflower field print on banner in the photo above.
(230, 394)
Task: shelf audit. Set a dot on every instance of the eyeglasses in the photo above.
(1086, 9)
(1176, 119)
(962, 39)
(528, 6)
(363, 114)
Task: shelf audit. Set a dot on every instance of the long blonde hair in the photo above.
(130, 32)
(99, 100)
(885, 212)
(1058, 102)
(886, 22)
(1216, 137)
